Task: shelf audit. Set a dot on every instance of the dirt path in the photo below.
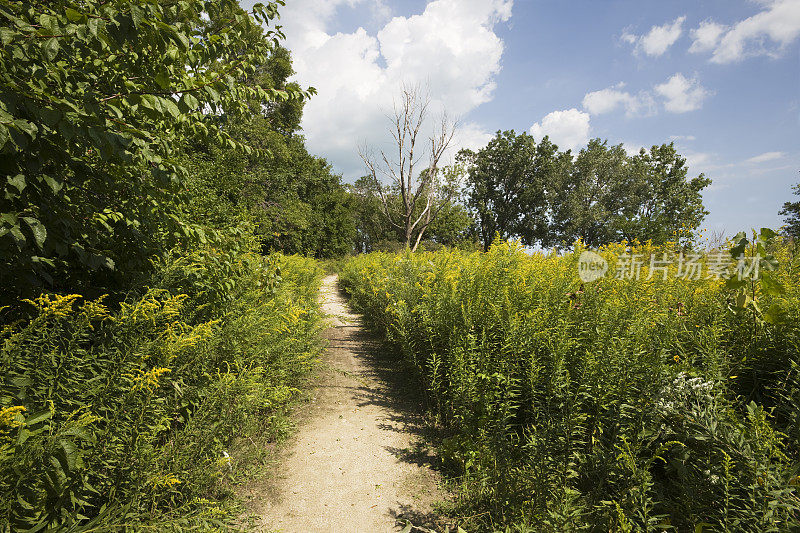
(357, 463)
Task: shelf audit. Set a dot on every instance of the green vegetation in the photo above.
(113, 418)
(618, 405)
(147, 324)
(601, 195)
(791, 210)
(155, 186)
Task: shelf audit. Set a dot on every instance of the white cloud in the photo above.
(697, 161)
(658, 40)
(706, 36)
(768, 32)
(682, 138)
(569, 129)
(471, 135)
(682, 94)
(607, 100)
(632, 148)
(763, 158)
(450, 48)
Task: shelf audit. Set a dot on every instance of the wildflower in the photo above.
(55, 306)
(9, 418)
(677, 358)
(149, 380)
(165, 481)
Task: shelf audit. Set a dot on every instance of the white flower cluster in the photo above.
(683, 392)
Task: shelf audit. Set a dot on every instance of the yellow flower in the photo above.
(56, 306)
(9, 418)
(165, 481)
(149, 380)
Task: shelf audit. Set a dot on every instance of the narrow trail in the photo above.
(358, 462)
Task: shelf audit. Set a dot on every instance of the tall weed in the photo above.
(113, 418)
(621, 404)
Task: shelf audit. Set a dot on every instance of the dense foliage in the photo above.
(142, 330)
(791, 210)
(452, 226)
(124, 417)
(534, 192)
(293, 200)
(622, 404)
(94, 97)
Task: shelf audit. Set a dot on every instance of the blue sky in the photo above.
(720, 78)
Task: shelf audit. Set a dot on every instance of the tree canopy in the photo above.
(534, 192)
(791, 213)
(94, 96)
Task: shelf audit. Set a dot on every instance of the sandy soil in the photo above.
(358, 462)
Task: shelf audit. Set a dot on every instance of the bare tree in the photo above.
(413, 147)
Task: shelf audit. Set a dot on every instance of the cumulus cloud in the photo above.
(763, 158)
(682, 94)
(607, 100)
(569, 128)
(658, 40)
(768, 32)
(706, 36)
(450, 48)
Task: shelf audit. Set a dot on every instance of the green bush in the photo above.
(113, 418)
(620, 405)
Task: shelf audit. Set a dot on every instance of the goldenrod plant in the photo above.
(118, 420)
(641, 401)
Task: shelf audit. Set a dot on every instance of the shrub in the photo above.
(112, 418)
(615, 405)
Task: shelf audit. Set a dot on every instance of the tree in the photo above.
(293, 201)
(414, 188)
(608, 196)
(658, 199)
(453, 226)
(791, 212)
(588, 195)
(94, 96)
(543, 196)
(373, 230)
(509, 182)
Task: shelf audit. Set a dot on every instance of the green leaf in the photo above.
(190, 101)
(769, 262)
(212, 93)
(136, 16)
(38, 230)
(18, 182)
(169, 105)
(51, 48)
(775, 314)
(6, 35)
(767, 234)
(37, 417)
(72, 15)
(734, 283)
(741, 243)
(49, 22)
(68, 454)
(771, 285)
(162, 79)
(94, 26)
